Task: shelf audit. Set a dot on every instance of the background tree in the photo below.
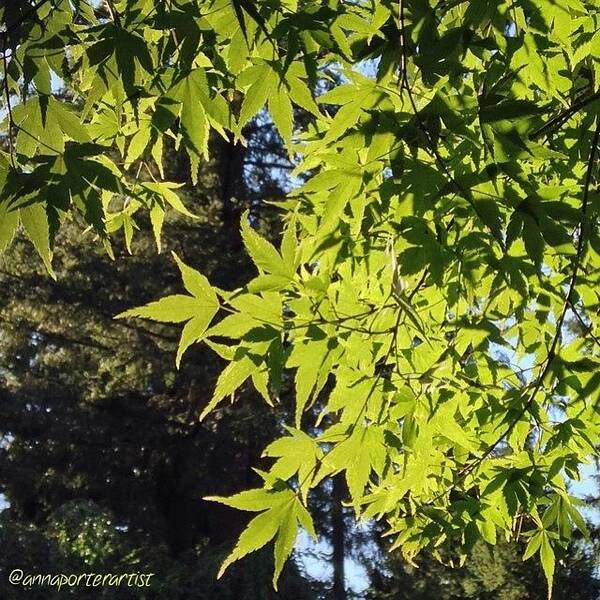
(103, 461)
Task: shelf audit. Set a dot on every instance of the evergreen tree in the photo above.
(104, 463)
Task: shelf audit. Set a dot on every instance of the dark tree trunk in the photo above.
(338, 532)
(231, 179)
(172, 501)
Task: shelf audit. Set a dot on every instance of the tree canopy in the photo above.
(433, 294)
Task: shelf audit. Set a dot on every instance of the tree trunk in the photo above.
(338, 531)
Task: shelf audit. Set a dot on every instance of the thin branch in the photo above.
(587, 329)
(11, 121)
(268, 165)
(59, 337)
(563, 117)
(403, 73)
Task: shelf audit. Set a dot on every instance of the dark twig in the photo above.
(403, 74)
(563, 117)
(11, 121)
(587, 329)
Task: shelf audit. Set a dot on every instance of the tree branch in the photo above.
(545, 367)
(563, 117)
(11, 120)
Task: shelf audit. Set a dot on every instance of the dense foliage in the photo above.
(434, 289)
